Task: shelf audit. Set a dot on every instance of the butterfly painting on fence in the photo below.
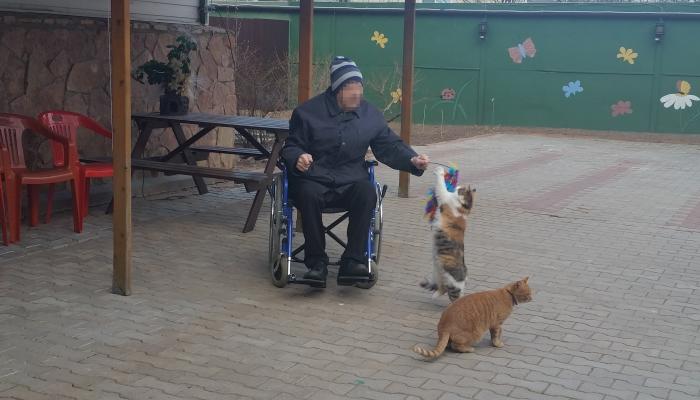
(522, 51)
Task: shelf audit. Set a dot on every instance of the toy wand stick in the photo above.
(441, 164)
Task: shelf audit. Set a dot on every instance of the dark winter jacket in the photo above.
(338, 142)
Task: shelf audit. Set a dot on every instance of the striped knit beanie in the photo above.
(343, 70)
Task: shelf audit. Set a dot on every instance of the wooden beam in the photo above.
(306, 57)
(121, 146)
(409, 24)
(306, 46)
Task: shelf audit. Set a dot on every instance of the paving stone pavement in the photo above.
(608, 231)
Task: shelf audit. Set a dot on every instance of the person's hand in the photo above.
(304, 162)
(421, 161)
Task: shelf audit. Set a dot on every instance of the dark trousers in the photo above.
(310, 198)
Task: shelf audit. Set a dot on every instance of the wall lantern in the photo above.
(483, 29)
(659, 31)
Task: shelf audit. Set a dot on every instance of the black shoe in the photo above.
(316, 275)
(353, 268)
(352, 272)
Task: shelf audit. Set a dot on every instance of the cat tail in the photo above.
(441, 345)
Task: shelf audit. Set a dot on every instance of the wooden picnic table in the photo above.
(186, 149)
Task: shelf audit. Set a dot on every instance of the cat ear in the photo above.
(525, 279)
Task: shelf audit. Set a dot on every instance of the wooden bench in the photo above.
(187, 151)
(239, 151)
(251, 180)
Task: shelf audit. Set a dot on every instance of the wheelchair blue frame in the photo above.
(287, 253)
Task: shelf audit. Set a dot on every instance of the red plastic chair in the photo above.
(66, 124)
(4, 219)
(12, 128)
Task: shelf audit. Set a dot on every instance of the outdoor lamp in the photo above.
(483, 28)
(659, 31)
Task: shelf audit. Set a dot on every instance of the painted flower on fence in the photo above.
(448, 94)
(681, 99)
(627, 55)
(380, 39)
(572, 88)
(621, 108)
(396, 96)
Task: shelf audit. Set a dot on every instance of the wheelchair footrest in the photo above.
(301, 261)
(350, 280)
(310, 282)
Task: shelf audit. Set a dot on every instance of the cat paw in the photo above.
(497, 343)
(439, 171)
(428, 285)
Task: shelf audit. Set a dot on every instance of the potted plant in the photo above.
(173, 76)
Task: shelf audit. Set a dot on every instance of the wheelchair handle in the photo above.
(384, 188)
(371, 163)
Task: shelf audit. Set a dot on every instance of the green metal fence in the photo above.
(555, 65)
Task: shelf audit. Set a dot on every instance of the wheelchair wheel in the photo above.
(377, 233)
(277, 258)
(376, 242)
(279, 272)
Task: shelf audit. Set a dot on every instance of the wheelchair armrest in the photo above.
(371, 163)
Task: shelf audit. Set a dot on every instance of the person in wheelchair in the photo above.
(325, 153)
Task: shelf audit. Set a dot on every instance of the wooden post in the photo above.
(306, 57)
(409, 23)
(306, 49)
(121, 146)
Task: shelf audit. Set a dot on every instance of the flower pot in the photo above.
(173, 104)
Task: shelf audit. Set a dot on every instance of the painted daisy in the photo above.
(681, 99)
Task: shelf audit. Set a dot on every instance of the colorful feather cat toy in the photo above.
(451, 178)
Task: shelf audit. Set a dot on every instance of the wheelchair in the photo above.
(282, 251)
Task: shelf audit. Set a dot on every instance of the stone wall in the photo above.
(59, 62)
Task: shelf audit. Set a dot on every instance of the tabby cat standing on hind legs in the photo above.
(466, 320)
(449, 225)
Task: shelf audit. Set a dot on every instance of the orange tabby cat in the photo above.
(466, 320)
